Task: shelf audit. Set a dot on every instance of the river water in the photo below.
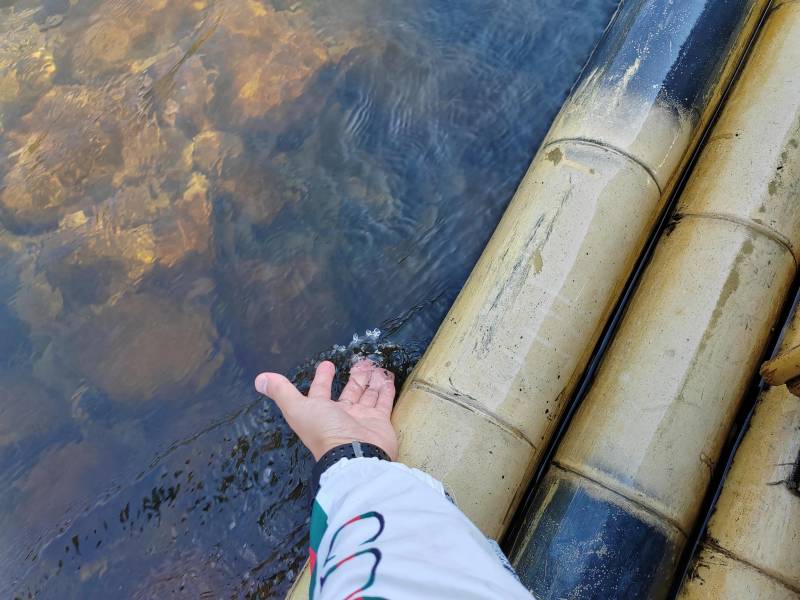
(194, 191)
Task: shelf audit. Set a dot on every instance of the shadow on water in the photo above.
(193, 191)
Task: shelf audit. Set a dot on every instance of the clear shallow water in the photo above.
(192, 192)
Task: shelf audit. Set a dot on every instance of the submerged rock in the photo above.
(30, 198)
(189, 228)
(259, 193)
(192, 96)
(142, 347)
(9, 86)
(210, 149)
(147, 150)
(107, 252)
(26, 409)
(27, 66)
(280, 307)
(36, 302)
(64, 150)
(106, 44)
(63, 478)
(91, 261)
(119, 36)
(265, 57)
(131, 206)
(80, 145)
(120, 241)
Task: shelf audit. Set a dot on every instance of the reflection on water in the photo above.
(192, 191)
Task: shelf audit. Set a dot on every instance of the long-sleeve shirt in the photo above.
(384, 530)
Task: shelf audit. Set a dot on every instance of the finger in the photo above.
(320, 388)
(385, 401)
(280, 389)
(370, 396)
(359, 379)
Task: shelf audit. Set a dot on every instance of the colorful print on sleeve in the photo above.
(319, 525)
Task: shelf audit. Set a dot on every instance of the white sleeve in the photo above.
(383, 530)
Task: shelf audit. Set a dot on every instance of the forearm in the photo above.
(389, 531)
(380, 527)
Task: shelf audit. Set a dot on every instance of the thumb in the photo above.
(280, 389)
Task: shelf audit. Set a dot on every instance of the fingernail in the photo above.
(262, 381)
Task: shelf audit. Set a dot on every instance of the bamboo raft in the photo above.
(623, 494)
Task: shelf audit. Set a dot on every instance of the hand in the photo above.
(361, 414)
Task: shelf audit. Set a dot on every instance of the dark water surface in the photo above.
(194, 191)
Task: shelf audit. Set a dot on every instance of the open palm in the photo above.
(361, 414)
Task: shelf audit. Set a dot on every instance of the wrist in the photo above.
(325, 446)
(351, 449)
(321, 447)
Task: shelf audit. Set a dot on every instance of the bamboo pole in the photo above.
(752, 547)
(613, 511)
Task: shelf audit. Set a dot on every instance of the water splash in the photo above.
(373, 345)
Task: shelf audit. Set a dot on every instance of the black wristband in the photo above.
(352, 450)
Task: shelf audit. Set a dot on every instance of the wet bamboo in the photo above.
(752, 547)
(486, 397)
(614, 509)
